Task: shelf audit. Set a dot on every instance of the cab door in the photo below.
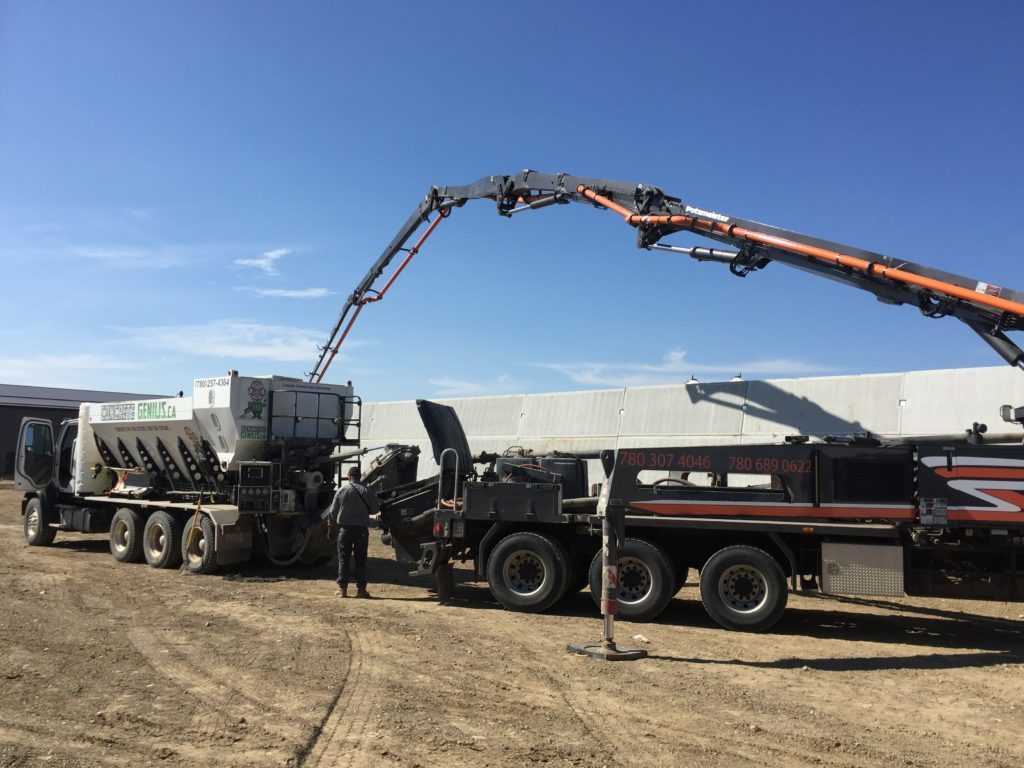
(33, 464)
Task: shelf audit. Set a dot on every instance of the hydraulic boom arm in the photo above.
(989, 310)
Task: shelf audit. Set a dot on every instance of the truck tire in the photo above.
(37, 532)
(528, 571)
(161, 540)
(197, 550)
(646, 580)
(743, 588)
(126, 536)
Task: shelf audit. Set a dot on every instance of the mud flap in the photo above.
(233, 536)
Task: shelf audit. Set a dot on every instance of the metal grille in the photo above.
(872, 480)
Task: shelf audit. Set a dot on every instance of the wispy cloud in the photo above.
(131, 257)
(233, 339)
(449, 387)
(267, 261)
(114, 238)
(60, 370)
(291, 293)
(674, 366)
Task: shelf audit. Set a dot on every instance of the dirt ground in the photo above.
(111, 664)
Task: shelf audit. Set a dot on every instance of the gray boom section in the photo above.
(513, 194)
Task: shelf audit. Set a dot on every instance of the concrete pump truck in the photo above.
(848, 515)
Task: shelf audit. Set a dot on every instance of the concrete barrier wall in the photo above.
(889, 405)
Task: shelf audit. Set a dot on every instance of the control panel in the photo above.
(256, 487)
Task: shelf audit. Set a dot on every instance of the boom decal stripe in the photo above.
(981, 473)
(992, 516)
(973, 461)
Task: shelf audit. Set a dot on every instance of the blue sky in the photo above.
(190, 187)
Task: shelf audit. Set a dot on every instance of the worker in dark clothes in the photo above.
(354, 510)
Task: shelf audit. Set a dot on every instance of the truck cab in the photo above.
(44, 468)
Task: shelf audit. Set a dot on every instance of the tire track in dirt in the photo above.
(40, 738)
(43, 585)
(183, 667)
(343, 737)
(504, 628)
(705, 731)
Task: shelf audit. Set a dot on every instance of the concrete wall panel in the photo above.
(835, 405)
(948, 402)
(489, 416)
(572, 414)
(691, 409)
(392, 422)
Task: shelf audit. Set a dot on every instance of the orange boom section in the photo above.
(698, 225)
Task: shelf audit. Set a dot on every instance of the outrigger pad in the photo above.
(603, 653)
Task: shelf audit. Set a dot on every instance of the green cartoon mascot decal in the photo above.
(257, 397)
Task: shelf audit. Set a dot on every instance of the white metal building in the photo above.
(18, 401)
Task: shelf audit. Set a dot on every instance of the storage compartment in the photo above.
(534, 502)
(862, 569)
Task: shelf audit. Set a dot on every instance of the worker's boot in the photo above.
(361, 592)
(344, 589)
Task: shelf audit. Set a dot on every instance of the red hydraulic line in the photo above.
(330, 358)
(362, 302)
(412, 252)
(821, 254)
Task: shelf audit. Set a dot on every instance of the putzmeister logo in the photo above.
(707, 214)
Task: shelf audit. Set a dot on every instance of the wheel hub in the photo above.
(196, 545)
(156, 542)
(635, 580)
(743, 588)
(524, 572)
(120, 536)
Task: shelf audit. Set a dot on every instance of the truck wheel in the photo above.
(197, 546)
(37, 532)
(743, 588)
(161, 541)
(528, 572)
(126, 536)
(646, 580)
